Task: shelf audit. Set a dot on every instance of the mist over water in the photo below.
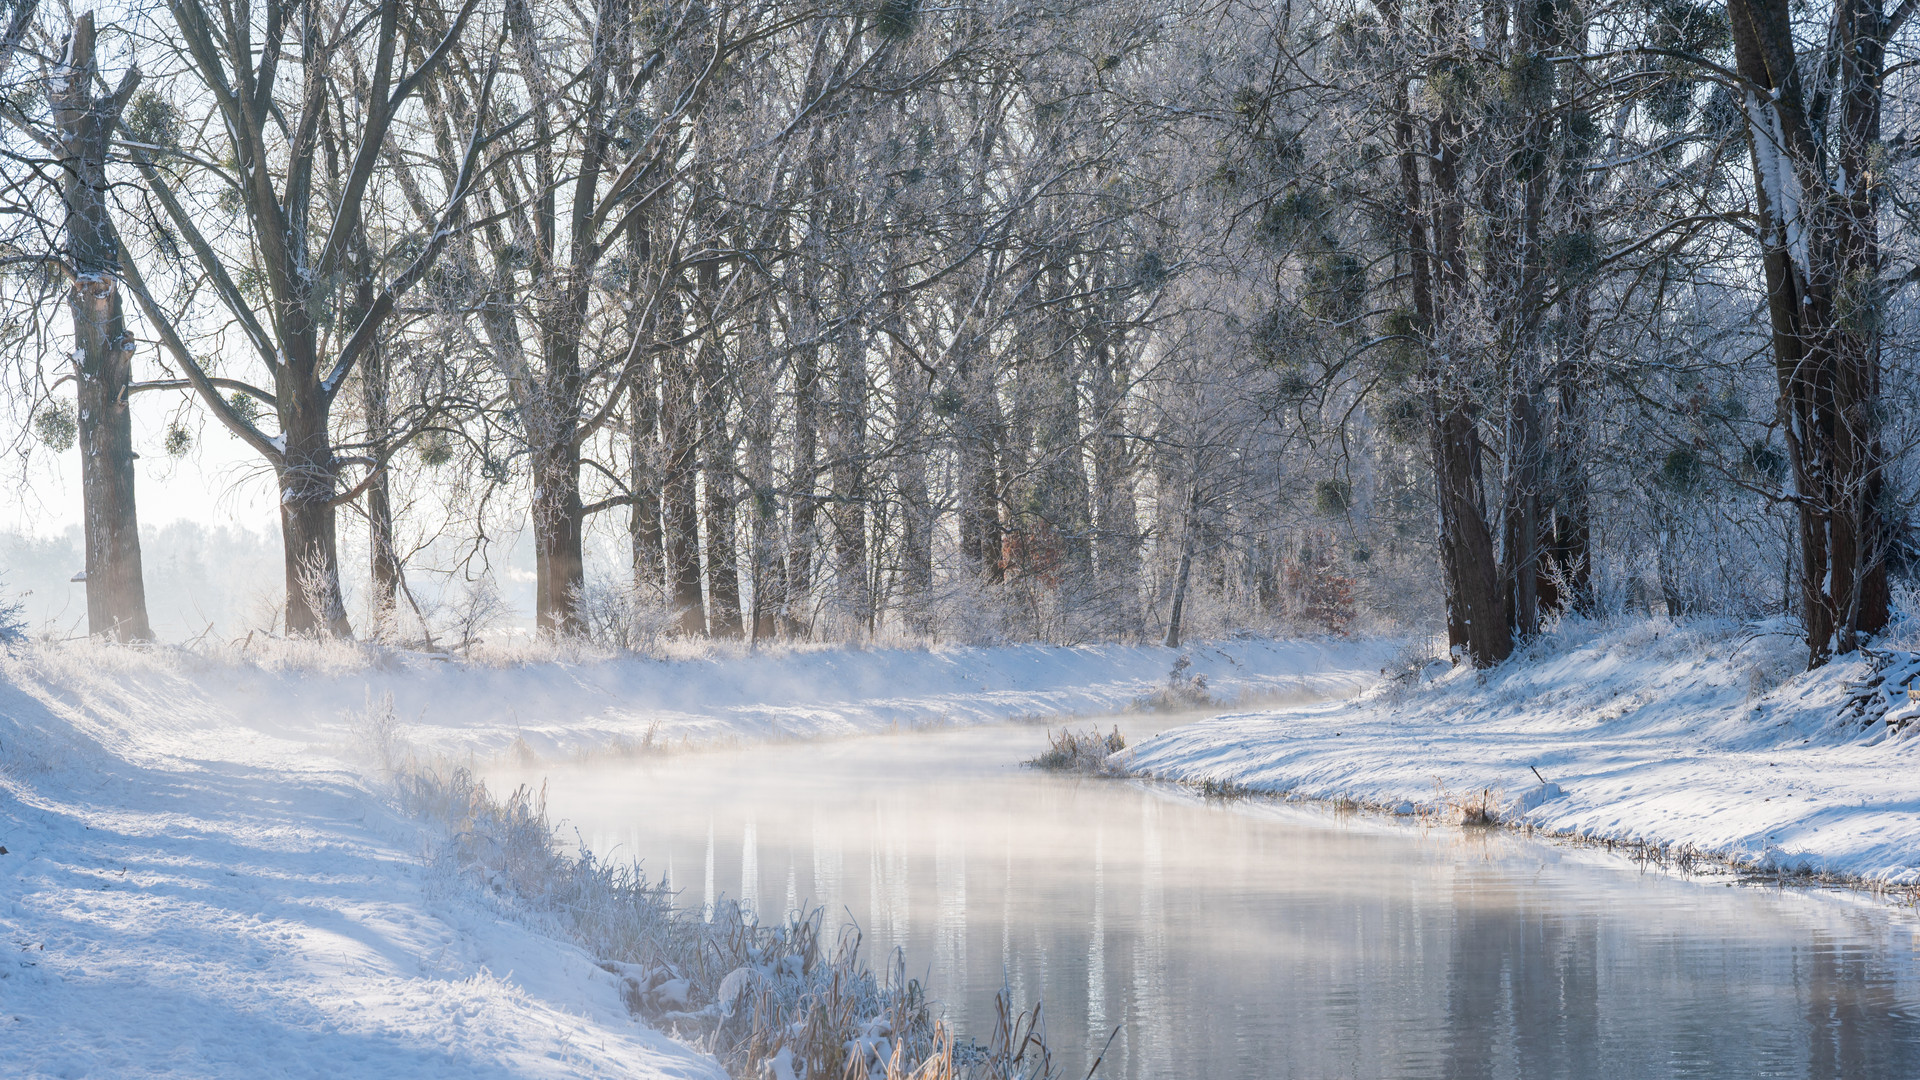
(1253, 940)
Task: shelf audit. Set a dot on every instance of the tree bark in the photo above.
(1189, 536)
(1116, 515)
(103, 350)
(1820, 249)
(1477, 623)
(679, 478)
(917, 518)
(722, 557)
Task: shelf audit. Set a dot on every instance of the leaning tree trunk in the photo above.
(103, 350)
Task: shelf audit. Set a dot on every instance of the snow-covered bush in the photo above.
(1185, 690)
(624, 617)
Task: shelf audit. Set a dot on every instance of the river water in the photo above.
(1198, 939)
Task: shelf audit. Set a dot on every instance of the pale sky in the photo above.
(219, 482)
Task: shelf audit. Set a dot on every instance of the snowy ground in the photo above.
(198, 881)
(1699, 735)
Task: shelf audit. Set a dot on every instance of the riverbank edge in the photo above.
(1667, 856)
(1683, 743)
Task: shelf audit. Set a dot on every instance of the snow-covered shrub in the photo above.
(1185, 690)
(621, 616)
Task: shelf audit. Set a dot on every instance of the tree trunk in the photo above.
(643, 418)
(558, 537)
(1189, 536)
(383, 560)
(103, 350)
(769, 593)
(910, 486)
(680, 511)
(979, 437)
(847, 450)
(643, 525)
(1820, 247)
(310, 547)
(722, 561)
(1116, 516)
(1477, 622)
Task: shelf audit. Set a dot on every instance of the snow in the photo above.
(1702, 735)
(199, 879)
(184, 895)
(565, 708)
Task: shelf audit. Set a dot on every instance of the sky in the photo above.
(219, 482)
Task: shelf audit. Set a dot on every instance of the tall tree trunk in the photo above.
(643, 524)
(679, 479)
(1116, 515)
(1820, 247)
(722, 561)
(979, 438)
(103, 350)
(558, 537)
(769, 577)
(383, 560)
(1476, 611)
(1524, 189)
(1189, 537)
(847, 451)
(643, 418)
(910, 486)
(797, 599)
(552, 427)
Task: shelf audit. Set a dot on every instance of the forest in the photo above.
(999, 320)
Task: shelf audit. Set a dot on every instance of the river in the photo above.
(1201, 939)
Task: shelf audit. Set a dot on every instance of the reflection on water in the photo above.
(1260, 941)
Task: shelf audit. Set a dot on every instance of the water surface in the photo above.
(1252, 940)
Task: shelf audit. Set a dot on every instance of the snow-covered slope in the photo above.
(184, 896)
(198, 882)
(567, 708)
(1697, 734)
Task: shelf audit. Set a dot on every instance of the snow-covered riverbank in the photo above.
(1700, 735)
(199, 879)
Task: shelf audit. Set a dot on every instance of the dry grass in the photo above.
(1223, 789)
(1480, 809)
(1082, 752)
